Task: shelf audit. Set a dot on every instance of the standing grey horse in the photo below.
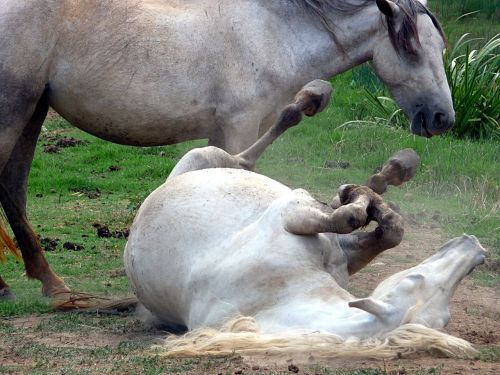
(155, 72)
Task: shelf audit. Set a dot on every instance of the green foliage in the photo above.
(385, 110)
(376, 105)
(364, 77)
(473, 77)
(455, 9)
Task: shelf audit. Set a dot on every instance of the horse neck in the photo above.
(355, 37)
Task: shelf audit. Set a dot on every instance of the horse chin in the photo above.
(419, 125)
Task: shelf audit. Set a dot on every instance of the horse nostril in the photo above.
(441, 121)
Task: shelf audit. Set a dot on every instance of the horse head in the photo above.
(408, 59)
(424, 291)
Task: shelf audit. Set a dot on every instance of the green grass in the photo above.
(480, 18)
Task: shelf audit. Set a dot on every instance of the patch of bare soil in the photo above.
(53, 115)
(57, 339)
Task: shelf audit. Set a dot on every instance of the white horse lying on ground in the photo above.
(249, 265)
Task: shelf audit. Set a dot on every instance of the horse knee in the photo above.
(205, 158)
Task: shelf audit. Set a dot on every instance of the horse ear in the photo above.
(388, 8)
(378, 308)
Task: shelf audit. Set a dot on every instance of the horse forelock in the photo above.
(404, 39)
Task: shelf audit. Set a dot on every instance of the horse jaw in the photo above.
(422, 293)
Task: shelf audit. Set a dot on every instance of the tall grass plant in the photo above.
(473, 77)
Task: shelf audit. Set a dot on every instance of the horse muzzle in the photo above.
(428, 124)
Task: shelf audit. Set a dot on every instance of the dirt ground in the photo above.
(475, 312)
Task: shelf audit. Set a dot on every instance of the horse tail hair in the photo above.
(241, 336)
(6, 243)
(92, 303)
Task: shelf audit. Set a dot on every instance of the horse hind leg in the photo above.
(13, 190)
(17, 104)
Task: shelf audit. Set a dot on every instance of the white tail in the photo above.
(241, 336)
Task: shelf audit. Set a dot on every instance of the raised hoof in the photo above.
(6, 295)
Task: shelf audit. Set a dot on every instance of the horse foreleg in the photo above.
(302, 214)
(310, 100)
(361, 248)
(234, 133)
(13, 190)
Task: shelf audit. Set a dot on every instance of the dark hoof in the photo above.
(6, 295)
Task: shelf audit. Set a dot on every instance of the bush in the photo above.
(473, 77)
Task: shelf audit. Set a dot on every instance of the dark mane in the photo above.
(405, 40)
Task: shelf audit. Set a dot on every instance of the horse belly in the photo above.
(136, 76)
(178, 236)
(142, 116)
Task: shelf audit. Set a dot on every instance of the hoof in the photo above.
(55, 291)
(6, 295)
